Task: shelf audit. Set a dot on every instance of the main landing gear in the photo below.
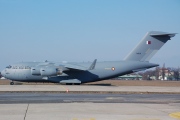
(12, 83)
(73, 83)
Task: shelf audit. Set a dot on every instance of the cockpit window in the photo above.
(21, 67)
(9, 66)
(27, 67)
(18, 67)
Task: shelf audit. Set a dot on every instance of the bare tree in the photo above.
(163, 71)
(148, 74)
(176, 73)
(170, 73)
(173, 73)
(157, 73)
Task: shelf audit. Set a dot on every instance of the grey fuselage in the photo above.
(103, 70)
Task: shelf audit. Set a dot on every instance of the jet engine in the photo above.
(46, 71)
(35, 71)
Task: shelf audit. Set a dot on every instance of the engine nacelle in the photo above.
(35, 71)
(49, 71)
(46, 71)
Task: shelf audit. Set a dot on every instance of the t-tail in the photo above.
(149, 46)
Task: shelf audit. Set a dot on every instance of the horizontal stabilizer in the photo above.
(167, 34)
(137, 70)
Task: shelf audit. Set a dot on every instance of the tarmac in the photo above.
(89, 89)
(154, 108)
(89, 111)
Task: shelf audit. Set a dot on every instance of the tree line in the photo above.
(161, 73)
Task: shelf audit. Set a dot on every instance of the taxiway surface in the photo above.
(65, 106)
(88, 89)
(51, 102)
(14, 98)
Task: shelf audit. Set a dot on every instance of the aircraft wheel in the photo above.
(11, 83)
(69, 84)
(77, 83)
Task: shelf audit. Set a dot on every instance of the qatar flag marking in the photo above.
(148, 42)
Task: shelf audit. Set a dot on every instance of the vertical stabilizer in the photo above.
(149, 46)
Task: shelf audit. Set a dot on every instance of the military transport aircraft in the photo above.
(77, 73)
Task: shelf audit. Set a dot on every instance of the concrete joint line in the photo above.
(26, 112)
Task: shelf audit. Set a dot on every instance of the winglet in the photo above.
(93, 65)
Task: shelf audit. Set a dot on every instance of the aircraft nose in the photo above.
(3, 73)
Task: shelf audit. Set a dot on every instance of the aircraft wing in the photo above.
(75, 67)
(63, 67)
(72, 66)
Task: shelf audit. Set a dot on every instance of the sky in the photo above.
(84, 30)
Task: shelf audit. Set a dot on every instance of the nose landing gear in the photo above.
(12, 83)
